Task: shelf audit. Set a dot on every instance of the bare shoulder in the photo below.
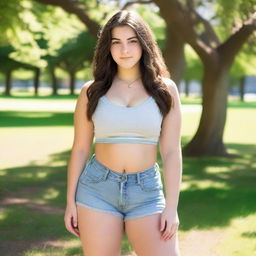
(87, 84)
(85, 87)
(172, 87)
(170, 84)
(83, 93)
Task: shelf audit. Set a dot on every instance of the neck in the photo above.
(128, 76)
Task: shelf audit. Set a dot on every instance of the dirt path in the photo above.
(201, 243)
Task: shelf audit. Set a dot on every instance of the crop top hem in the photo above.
(125, 140)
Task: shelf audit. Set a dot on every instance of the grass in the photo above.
(217, 192)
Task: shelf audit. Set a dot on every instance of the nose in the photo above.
(125, 48)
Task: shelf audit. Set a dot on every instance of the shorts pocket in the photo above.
(151, 182)
(92, 174)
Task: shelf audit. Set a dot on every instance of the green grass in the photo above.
(26, 94)
(240, 237)
(34, 119)
(217, 192)
(232, 102)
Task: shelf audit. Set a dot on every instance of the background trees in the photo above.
(216, 30)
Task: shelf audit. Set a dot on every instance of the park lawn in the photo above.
(217, 193)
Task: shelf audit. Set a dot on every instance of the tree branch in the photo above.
(235, 42)
(208, 36)
(75, 7)
(178, 16)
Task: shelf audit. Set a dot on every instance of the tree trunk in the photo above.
(72, 82)
(54, 81)
(8, 81)
(242, 87)
(174, 56)
(208, 139)
(186, 88)
(36, 80)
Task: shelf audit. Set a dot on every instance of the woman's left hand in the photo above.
(169, 224)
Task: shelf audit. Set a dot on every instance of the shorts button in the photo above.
(122, 178)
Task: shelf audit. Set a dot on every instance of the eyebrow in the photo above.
(113, 38)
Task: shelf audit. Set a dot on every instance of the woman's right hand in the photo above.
(70, 219)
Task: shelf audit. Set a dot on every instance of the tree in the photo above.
(73, 55)
(8, 65)
(37, 34)
(217, 57)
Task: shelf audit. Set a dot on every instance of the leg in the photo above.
(144, 236)
(100, 233)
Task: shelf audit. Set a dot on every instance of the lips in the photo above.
(125, 58)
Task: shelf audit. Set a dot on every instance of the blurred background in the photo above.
(46, 50)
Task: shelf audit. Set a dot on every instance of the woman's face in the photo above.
(125, 47)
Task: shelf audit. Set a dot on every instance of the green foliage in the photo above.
(57, 26)
(23, 38)
(8, 64)
(150, 14)
(232, 13)
(44, 35)
(227, 16)
(44, 29)
(99, 12)
(9, 20)
(243, 65)
(73, 54)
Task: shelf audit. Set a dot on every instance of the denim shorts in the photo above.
(129, 196)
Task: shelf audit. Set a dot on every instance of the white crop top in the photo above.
(114, 123)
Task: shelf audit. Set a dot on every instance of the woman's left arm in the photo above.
(170, 150)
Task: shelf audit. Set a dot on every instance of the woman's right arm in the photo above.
(83, 138)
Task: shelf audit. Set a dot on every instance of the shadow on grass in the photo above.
(218, 188)
(35, 119)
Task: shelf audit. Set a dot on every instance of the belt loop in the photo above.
(106, 174)
(138, 178)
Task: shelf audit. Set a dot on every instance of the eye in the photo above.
(134, 41)
(115, 42)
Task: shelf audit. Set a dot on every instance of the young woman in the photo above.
(129, 107)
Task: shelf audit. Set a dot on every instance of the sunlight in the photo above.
(51, 193)
(2, 172)
(242, 231)
(217, 169)
(41, 174)
(3, 215)
(204, 184)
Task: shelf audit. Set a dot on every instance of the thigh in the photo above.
(100, 233)
(144, 235)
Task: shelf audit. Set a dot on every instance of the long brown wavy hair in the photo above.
(152, 66)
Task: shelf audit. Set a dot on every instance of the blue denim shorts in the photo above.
(126, 195)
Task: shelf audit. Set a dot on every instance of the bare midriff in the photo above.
(126, 157)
